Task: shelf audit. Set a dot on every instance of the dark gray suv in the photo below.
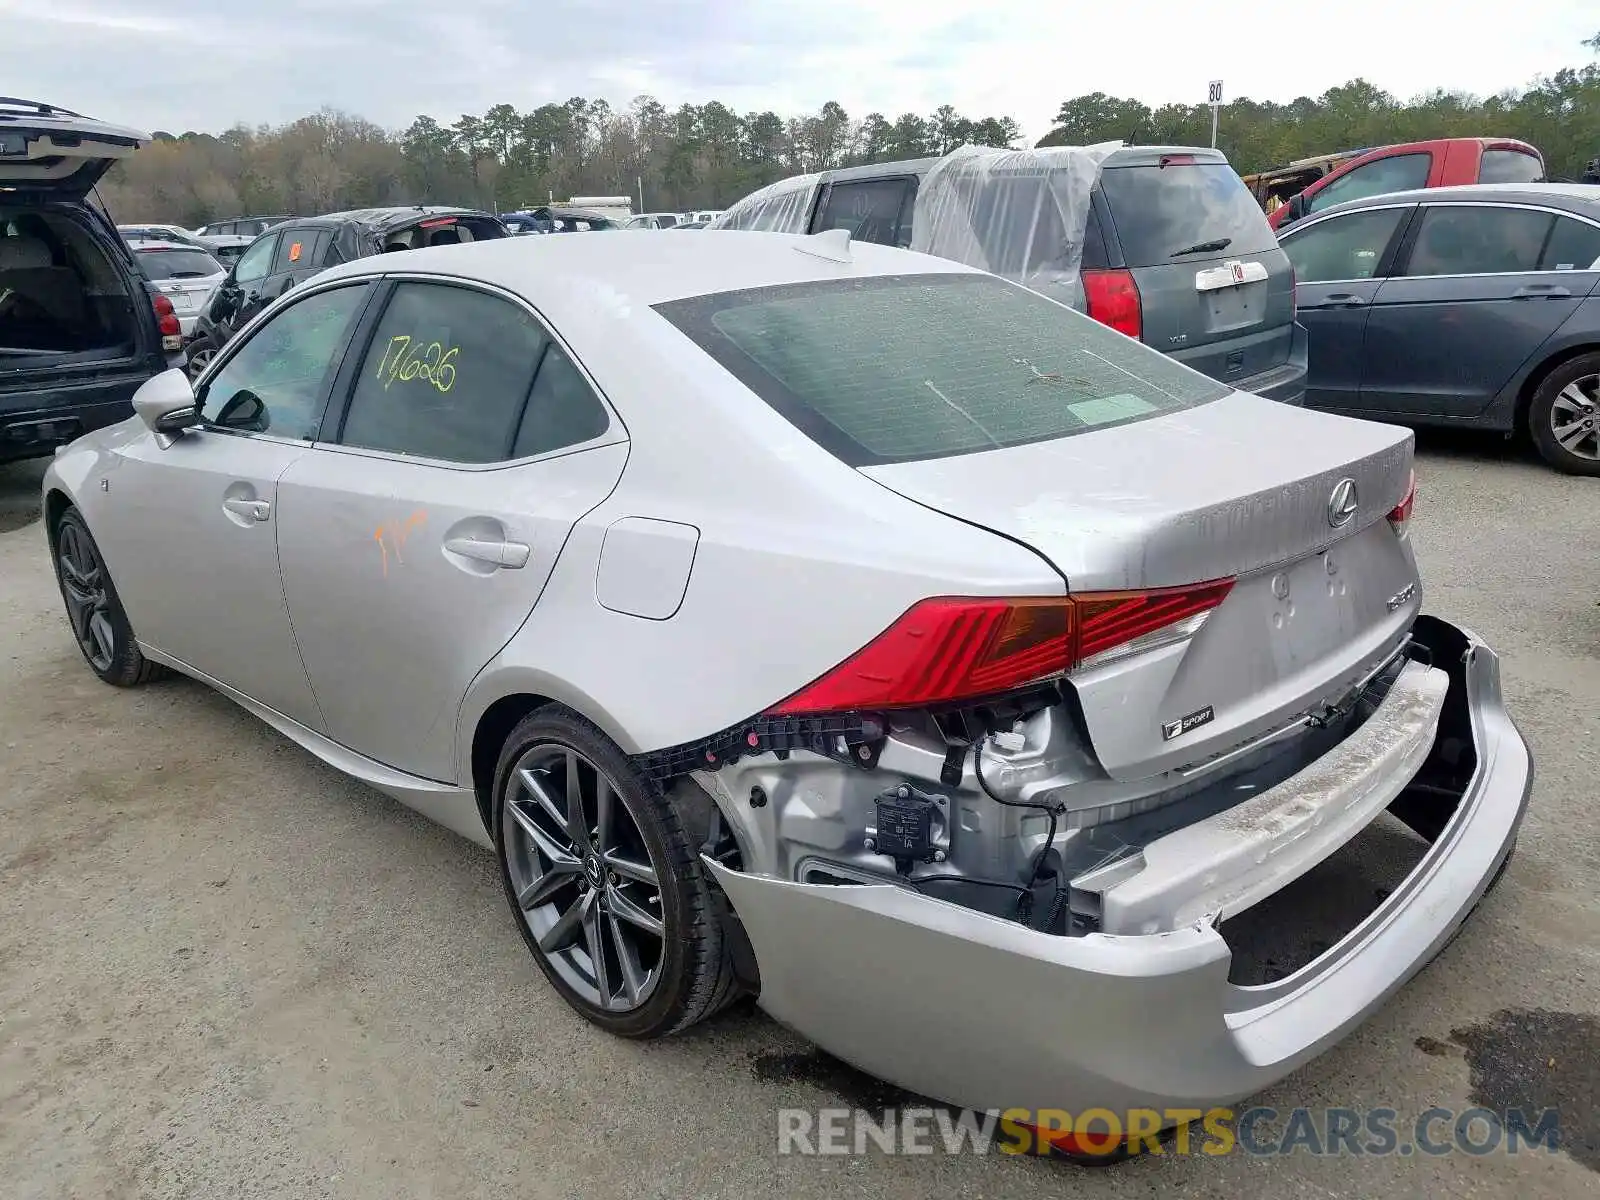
(1170, 247)
(81, 327)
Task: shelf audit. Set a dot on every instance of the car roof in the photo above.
(1580, 198)
(614, 275)
(379, 218)
(1126, 156)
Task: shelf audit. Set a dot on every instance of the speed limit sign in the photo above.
(1215, 96)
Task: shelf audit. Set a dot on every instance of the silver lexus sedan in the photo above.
(828, 622)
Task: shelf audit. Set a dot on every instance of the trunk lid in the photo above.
(1241, 487)
(50, 152)
(1216, 291)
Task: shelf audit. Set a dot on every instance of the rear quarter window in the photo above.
(1158, 211)
(901, 368)
(1509, 166)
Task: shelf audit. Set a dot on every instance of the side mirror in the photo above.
(1297, 207)
(166, 403)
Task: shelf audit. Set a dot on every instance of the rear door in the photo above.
(297, 257)
(418, 535)
(1339, 264)
(1215, 289)
(1467, 304)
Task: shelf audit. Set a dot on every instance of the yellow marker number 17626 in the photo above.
(406, 358)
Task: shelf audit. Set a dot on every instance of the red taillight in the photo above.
(953, 648)
(1178, 160)
(435, 222)
(1113, 299)
(167, 322)
(1400, 514)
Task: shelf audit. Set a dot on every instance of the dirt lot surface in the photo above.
(227, 972)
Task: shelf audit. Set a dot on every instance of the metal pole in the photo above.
(639, 179)
(1214, 109)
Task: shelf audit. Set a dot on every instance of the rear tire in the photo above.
(1564, 416)
(585, 887)
(99, 624)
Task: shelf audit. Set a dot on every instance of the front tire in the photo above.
(99, 624)
(603, 875)
(200, 352)
(1564, 417)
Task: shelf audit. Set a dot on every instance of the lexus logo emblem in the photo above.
(1343, 505)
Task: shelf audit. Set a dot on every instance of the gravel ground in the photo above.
(226, 971)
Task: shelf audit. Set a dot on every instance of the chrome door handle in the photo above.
(250, 510)
(1343, 300)
(511, 555)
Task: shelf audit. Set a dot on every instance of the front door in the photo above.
(214, 598)
(1338, 266)
(240, 297)
(416, 540)
(1467, 307)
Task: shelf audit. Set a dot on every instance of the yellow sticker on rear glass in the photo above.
(294, 252)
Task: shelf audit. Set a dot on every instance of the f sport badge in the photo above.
(1202, 716)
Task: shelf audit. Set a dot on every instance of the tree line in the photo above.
(708, 155)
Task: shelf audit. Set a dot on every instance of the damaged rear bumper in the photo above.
(986, 1013)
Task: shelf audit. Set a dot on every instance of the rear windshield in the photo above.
(178, 264)
(1159, 211)
(908, 367)
(1510, 166)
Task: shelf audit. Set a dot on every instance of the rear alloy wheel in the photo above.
(98, 621)
(605, 881)
(200, 353)
(1564, 418)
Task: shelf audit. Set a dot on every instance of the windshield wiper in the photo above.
(1203, 247)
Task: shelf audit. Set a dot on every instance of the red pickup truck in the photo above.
(1443, 162)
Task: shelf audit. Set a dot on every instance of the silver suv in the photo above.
(1163, 243)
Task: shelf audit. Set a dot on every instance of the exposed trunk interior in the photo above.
(61, 297)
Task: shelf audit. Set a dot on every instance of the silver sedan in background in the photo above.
(829, 622)
(187, 275)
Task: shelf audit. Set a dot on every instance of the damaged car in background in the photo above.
(830, 622)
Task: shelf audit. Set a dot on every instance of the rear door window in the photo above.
(299, 250)
(900, 368)
(1397, 173)
(1509, 166)
(873, 210)
(446, 376)
(1478, 239)
(1573, 246)
(1160, 212)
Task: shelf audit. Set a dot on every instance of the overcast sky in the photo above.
(176, 65)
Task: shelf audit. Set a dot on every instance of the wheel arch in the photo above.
(1540, 373)
(56, 503)
(491, 713)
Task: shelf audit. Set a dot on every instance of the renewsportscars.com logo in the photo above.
(1258, 1132)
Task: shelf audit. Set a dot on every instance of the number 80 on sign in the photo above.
(1214, 92)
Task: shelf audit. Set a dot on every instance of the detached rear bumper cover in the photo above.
(982, 1012)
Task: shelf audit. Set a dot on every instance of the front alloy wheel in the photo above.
(602, 869)
(94, 611)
